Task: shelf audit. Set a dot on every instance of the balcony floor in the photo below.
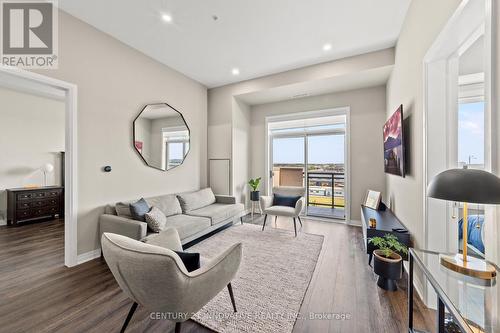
(335, 213)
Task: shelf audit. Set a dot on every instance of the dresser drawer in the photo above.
(39, 195)
(52, 194)
(23, 214)
(24, 204)
(24, 196)
(50, 202)
(52, 210)
(38, 212)
(44, 211)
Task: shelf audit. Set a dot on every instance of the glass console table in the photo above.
(464, 304)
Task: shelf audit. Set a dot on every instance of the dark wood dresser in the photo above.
(27, 204)
(387, 223)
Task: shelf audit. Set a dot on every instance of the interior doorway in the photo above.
(311, 150)
(44, 87)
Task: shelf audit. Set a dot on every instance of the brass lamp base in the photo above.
(474, 267)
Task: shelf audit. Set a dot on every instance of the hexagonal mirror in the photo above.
(161, 136)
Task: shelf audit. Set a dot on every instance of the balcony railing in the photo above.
(326, 189)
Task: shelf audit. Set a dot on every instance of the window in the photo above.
(176, 146)
(471, 134)
(175, 153)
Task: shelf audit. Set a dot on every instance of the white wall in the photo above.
(424, 21)
(31, 134)
(367, 108)
(114, 83)
(241, 143)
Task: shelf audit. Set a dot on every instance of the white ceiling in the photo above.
(259, 37)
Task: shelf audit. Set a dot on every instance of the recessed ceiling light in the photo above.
(235, 71)
(327, 47)
(166, 18)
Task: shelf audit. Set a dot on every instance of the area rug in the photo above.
(274, 274)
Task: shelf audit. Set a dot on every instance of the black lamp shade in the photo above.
(466, 185)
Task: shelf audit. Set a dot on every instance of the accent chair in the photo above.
(268, 207)
(153, 275)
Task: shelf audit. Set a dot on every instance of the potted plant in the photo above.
(254, 184)
(388, 261)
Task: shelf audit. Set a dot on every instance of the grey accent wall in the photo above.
(114, 83)
(367, 109)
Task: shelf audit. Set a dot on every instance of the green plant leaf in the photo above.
(388, 244)
(254, 183)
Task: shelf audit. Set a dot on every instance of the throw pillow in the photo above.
(123, 210)
(191, 260)
(285, 200)
(139, 210)
(156, 220)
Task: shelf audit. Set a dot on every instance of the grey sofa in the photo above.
(192, 214)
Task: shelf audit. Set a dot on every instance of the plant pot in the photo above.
(387, 269)
(254, 195)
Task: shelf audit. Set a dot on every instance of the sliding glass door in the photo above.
(325, 175)
(316, 161)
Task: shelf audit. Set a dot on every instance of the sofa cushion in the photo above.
(280, 211)
(218, 212)
(194, 200)
(156, 220)
(168, 204)
(187, 225)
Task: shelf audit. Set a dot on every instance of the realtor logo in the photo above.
(29, 33)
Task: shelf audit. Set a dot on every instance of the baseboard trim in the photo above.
(84, 257)
(354, 223)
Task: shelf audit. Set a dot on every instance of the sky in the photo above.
(322, 149)
(471, 132)
(175, 151)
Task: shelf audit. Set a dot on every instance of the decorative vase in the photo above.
(388, 269)
(254, 195)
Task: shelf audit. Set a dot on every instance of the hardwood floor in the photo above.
(39, 294)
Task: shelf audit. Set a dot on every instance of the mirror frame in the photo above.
(133, 135)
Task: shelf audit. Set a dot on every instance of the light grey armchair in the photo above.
(266, 205)
(155, 277)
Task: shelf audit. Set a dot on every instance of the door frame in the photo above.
(440, 87)
(33, 83)
(337, 111)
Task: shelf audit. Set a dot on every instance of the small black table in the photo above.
(467, 304)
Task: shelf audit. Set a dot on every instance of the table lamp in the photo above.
(466, 186)
(46, 169)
